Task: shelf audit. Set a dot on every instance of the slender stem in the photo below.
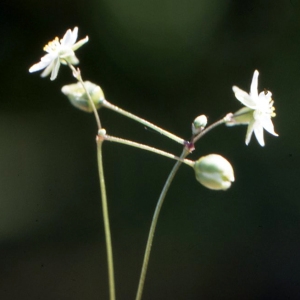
(148, 148)
(106, 222)
(144, 122)
(212, 126)
(77, 75)
(160, 203)
(154, 223)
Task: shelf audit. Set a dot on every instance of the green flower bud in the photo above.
(214, 172)
(199, 124)
(78, 97)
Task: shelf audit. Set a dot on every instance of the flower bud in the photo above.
(214, 172)
(78, 97)
(199, 124)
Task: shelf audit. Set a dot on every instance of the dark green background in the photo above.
(167, 61)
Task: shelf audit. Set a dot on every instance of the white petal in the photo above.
(244, 97)
(80, 43)
(70, 37)
(45, 61)
(47, 71)
(39, 66)
(254, 83)
(264, 95)
(249, 131)
(259, 133)
(268, 125)
(74, 36)
(55, 69)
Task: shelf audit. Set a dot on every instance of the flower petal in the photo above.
(254, 83)
(74, 36)
(80, 43)
(38, 66)
(45, 61)
(47, 71)
(249, 132)
(55, 69)
(268, 125)
(259, 133)
(244, 97)
(265, 95)
(70, 37)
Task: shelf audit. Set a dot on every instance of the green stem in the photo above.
(166, 133)
(160, 203)
(212, 126)
(154, 223)
(77, 75)
(106, 222)
(148, 148)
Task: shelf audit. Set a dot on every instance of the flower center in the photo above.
(272, 108)
(52, 46)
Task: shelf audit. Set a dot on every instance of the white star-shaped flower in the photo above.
(257, 112)
(59, 52)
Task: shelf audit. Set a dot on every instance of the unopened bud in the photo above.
(102, 132)
(199, 124)
(79, 98)
(214, 172)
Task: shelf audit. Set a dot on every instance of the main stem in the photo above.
(154, 223)
(161, 200)
(111, 278)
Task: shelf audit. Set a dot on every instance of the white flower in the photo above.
(257, 112)
(59, 52)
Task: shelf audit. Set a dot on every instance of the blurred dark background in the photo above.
(167, 61)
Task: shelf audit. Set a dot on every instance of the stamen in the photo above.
(52, 45)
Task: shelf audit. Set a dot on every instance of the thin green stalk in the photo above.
(212, 126)
(77, 75)
(154, 223)
(111, 279)
(166, 133)
(161, 201)
(148, 148)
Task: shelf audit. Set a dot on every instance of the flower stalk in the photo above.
(159, 204)
(148, 148)
(77, 75)
(110, 264)
(186, 151)
(123, 112)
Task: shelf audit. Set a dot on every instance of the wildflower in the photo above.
(59, 52)
(214, 172)
(257, 112)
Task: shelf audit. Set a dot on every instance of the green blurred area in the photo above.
(168, 62)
